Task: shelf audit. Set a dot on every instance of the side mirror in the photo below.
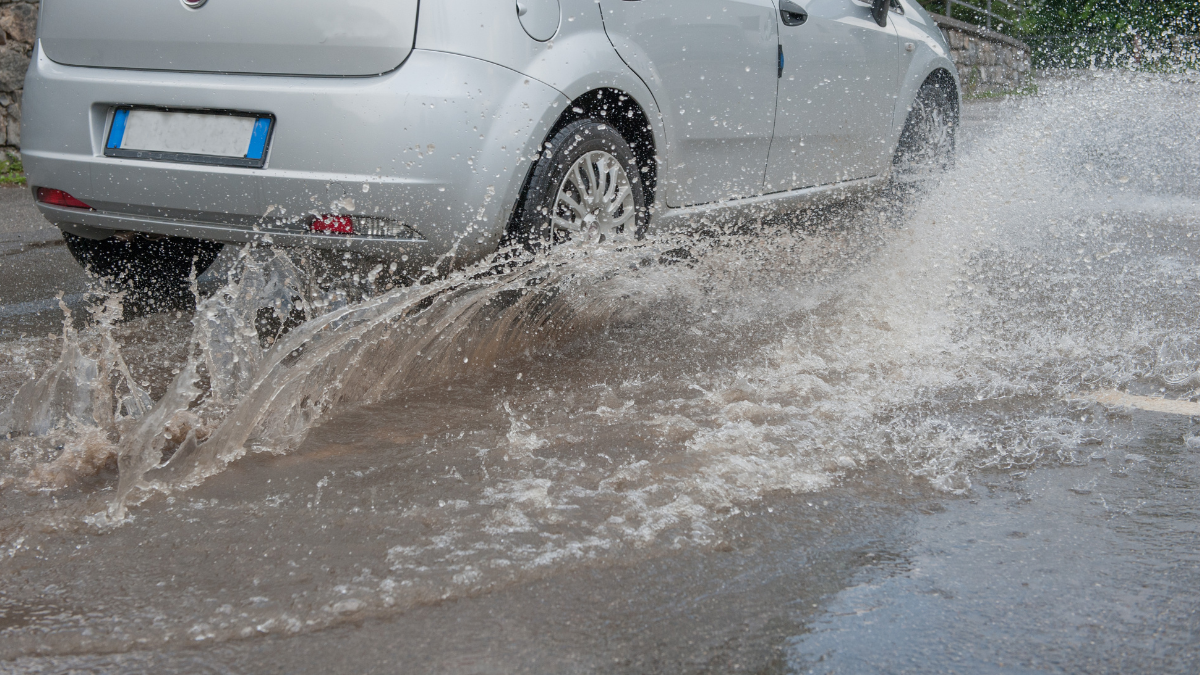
(879, 11)
(792, 14)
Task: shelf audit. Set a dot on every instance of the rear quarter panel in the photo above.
(578, 59)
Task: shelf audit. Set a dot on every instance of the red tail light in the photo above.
(332, 225)
(59, 198)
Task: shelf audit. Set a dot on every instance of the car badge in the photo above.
(194, 4)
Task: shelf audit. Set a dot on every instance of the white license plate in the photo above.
(232, 139)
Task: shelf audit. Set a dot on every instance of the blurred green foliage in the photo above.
(11, 170)
(1076, 17)
(1147, 34)
(1148, 17)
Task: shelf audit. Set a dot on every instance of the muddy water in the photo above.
(712, 451)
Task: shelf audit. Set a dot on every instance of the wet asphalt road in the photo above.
(34, 266)
(1084, 561)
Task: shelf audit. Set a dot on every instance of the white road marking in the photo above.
(1163, 405)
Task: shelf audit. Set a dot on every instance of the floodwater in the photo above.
(949, 430)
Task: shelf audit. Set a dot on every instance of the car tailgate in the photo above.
(285, 37)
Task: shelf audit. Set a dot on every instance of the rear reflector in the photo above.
(333, 225)
(59, 198)
(364, 226)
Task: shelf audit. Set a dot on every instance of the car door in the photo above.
(712, 67)
(836, 96)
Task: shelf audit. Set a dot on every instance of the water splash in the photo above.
(81, 401)
(863, 328)
(268, 399)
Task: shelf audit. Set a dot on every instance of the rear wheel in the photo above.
(585, 187)
(926, 145)
(153, 272)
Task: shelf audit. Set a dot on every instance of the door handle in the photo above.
(791, 13)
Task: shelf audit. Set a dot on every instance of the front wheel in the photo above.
(154, 273)
(927, 142)
(585, 187)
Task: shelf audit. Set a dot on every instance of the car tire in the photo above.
(154, 273)
(927, 143)
(585, 185)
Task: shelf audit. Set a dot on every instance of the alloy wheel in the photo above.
(595, 200)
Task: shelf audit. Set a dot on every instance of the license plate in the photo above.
(229, 139)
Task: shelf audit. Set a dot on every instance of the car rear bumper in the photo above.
(100, 225)
(441, 145)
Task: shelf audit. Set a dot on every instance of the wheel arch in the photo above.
(630, 119)
(925, 54)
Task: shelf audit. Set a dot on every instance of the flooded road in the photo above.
(945, 430)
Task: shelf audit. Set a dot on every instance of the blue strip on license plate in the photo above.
(118, 128)
(258, 138)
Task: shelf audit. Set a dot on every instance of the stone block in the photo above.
(19, 21)
(13, 64)
(13, 131)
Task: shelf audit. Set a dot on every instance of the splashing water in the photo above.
(638, 397)
(77, 401)
(240, 396)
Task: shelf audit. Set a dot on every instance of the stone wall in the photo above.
(988, 62)
(18, 23)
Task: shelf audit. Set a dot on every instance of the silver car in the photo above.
(430, 132)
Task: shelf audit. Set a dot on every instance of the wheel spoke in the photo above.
(580, 184)
(566, 199)
(563, 224)
(617, 200)
(627, 215)
(615, 173)
(595, 183)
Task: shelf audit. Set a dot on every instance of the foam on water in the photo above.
(949, 333)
